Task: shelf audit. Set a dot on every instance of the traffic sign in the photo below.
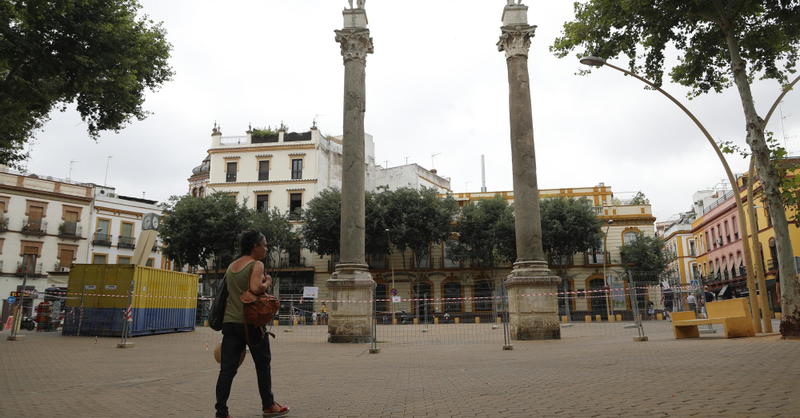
(695, 283)
(11, 299)
(393, 292)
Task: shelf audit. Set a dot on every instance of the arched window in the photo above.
(194, 192)
(452, 290)
(202, 192)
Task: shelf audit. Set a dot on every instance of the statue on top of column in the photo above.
(359, 3)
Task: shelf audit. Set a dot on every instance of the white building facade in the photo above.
(116, 223)
(44, 229)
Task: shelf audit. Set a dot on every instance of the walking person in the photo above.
(246, 271)
(324, 314)
(692, 302)
(708, 296)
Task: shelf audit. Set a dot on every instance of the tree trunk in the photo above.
(790, 293)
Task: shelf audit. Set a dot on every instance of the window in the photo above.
(452, 290)
(262, 203)
(99, 259)
(713, 236)
(102, 235)
(35, 215)
(70, 223)
(230, 172)
(65, 257)
(123, 260)
(708, 243)
(297, 168)
(263, 170)
(150, 262)
(295, 203)
(483, 289)
(692, 250)
(126, 235)
(29, 259)
(735, 229)
(727, 233)
(629, 237)
(202, 192)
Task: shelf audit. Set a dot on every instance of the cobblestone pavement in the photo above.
(599, 376)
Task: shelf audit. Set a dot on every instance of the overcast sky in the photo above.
(436, 84)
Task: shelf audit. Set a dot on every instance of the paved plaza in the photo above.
(603, 375)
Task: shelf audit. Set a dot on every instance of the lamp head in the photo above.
(593, 61)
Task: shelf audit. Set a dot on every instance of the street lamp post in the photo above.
(391, 264)
(600, 62)
(609, 300)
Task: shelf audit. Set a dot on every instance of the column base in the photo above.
(533, 317)
(350, 322)
(126, 345)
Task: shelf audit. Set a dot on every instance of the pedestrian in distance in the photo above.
(324, 314)
(692, 302)
(708, 296)
(651, 310)
(314, 318)
(246, 272)
(667, 298)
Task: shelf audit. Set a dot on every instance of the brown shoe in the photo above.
(275, 411)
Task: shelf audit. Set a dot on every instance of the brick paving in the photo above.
(602, 375)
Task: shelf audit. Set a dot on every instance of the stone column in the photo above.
(531, 318)
(351, 322)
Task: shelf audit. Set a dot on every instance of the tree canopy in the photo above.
(722, 43)
(569, 226)
(195, 230)
(280, 235)
(97, 53)
(645, 257)
(486, 233)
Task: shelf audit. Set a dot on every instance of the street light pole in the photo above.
(609, 299)
(754, 305)
(391, 264)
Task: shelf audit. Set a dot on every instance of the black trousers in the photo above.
(233, 343)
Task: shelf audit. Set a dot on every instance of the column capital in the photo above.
(516, 40)
(355, 43)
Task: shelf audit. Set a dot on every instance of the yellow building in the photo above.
(442, 278)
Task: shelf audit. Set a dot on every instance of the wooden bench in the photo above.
(733, 314)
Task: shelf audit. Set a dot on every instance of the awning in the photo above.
(722, 291)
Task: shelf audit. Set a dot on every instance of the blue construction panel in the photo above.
(109, 322)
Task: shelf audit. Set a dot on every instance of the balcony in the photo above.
(772, 264)
(34, 227)
(4, 224)
(735, 236)
(126, 242)
(263, 175)
(70, 230)
(728, 237)
(101, 239)
(230, 177)
(29, 269)
(292, 262)
(297, 174)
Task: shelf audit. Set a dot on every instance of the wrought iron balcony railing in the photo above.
(293, 262)
(70, 229)
(34, 227)
(29, 268)
(101, 239)
(126, 242)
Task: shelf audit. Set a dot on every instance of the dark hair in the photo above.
(250, 239)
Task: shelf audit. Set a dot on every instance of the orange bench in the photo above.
(733, 314)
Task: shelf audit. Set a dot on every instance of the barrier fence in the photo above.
(403, 322)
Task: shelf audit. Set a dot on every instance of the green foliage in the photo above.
(280, 235)
(486, 233)
(569, 226)
(195, 230)
(97, 53)
(263, 132)
(645, 256)
(322, 222)
(767, 31)
(639, 199)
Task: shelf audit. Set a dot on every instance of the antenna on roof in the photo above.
(432, 156)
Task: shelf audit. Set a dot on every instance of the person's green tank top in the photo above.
(237, 284)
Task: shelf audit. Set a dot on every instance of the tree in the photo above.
(322, 223)
(97, 53)
(417, 219)
(569, 226)
(486, 233)
(196, 230)
(645, 258)
(280, 235)
(718, 39)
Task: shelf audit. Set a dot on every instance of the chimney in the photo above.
(483, 175)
